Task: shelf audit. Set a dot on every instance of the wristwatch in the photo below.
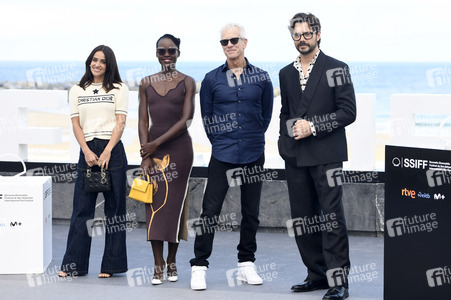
(312, 128)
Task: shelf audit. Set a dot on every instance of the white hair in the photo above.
(232, 25)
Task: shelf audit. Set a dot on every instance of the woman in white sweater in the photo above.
(98, 110)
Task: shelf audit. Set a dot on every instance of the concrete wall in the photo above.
(363, 204)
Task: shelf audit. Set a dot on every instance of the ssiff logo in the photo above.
(411, 163)
(438, 276)
(338, 76)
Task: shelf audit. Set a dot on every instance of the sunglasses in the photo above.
(234, 41)
(162, 51)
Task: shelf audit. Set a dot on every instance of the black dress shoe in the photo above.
(337, 293)
(310, 285)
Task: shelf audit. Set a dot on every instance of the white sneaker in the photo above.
(248, 273)
(198, 275)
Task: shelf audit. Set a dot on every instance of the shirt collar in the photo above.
(312, 62)
(225, 67)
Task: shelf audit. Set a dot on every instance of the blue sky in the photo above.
(353, 31)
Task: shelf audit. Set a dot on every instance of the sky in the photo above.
(352, 31)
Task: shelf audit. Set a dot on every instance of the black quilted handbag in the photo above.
(99, 181)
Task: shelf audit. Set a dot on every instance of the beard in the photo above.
(309, 50)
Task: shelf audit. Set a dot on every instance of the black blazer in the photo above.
(328, 101)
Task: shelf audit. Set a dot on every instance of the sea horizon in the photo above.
(380, 78)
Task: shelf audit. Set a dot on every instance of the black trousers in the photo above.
(318, 218)
(221, 176)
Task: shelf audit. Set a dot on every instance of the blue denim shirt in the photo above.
(236, 112)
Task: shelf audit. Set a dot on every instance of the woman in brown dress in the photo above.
(167, 153)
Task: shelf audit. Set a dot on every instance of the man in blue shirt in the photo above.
(236, 105)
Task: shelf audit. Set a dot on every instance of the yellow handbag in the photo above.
(142, 190)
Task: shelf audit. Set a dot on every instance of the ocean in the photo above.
(380, 78)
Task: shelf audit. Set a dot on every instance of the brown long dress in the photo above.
(166, 216)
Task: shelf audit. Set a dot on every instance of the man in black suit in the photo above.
(318, 102)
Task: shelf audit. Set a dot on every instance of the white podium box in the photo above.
(25, 224)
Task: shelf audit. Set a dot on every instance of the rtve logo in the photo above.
(408, 193)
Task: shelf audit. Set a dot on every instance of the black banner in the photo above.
(417, 238)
